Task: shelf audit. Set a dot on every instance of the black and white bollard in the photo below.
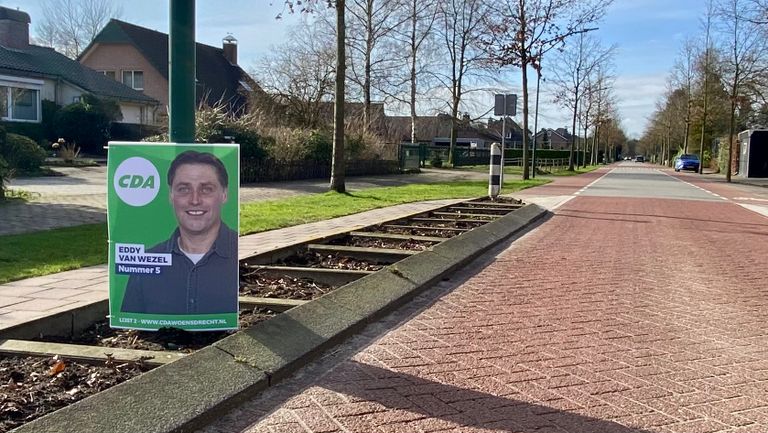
(494, 182)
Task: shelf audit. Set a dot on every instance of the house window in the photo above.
(110, 74)
(134, 79)
(19, 104)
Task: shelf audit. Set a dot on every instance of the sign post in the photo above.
(504, 105)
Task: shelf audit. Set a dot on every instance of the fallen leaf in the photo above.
(57, 368)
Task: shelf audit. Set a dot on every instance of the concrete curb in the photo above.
(189, 393)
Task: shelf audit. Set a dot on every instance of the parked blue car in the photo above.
(687, 162)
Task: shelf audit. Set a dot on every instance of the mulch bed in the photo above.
(314, 259)
(265, 284)
(398, 244)
(32, 387)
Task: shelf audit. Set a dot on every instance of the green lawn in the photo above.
(51, 251)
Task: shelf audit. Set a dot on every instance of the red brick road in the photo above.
(616, 315)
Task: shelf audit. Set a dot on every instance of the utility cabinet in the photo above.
(753, 153)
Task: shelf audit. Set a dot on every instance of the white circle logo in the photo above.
(136, 181)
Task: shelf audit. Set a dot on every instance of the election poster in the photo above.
(173, 215)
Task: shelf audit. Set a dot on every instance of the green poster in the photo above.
(173, 218)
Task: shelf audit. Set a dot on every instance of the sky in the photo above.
(648, 35)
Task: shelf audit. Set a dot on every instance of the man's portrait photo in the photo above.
(202, 276)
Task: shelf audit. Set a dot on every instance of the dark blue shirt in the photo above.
(210, 286)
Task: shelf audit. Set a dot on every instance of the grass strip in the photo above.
(51, 251)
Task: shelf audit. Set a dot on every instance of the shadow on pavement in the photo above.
(452, 406)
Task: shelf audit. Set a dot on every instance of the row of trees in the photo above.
(419, 55)
(434, 54)
(716, 88)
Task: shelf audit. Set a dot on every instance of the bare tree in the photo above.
(461, 29)
(683, 77)
(371, 26)
(70, 25)
(422, 15)
(522, 31)
(337, 160)
(298, 76)
(575, 65)
(745, 44)
(707, 24)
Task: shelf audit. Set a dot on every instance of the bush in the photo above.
(319, 146)
(436, 161)
(5, 176)
(22, 153)
(86, 123)
(27, 129)
(49, 111)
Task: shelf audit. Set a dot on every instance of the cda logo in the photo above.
(136, 181)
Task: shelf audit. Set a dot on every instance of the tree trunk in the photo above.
(731, 133)
(338, 161)
(454, 129)
(413, 74)
(526, 168)
(703, 123)
(367, 77)
(573, 129)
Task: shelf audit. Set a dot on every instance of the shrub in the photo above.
(319, 146)
(23, 153)
(5, 176)
(436, 161)
(86, 123)
(49, 111)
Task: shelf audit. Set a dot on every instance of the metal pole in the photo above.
(535, 124)
(503, 138)
(181, 72)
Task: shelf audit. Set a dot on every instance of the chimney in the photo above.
(229, 45)
(14, 28)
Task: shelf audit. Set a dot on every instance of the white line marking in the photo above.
(762, 210)
(690, 184)
(594, 182)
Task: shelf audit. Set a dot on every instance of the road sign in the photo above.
(505, 105)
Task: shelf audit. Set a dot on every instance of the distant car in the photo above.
(639, 158)
(687, 162)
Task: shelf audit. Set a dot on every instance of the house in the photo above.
(513, 132)
(557, 139)
(138, 57)
(436, 130)
(30, 74)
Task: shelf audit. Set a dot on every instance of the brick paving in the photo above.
(616, 315)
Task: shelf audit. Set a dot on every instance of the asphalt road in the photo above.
(639, 306)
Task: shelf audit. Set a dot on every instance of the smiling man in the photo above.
(202, 277)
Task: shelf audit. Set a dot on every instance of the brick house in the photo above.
(138, 57)
(30, 74)
(557, 139)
